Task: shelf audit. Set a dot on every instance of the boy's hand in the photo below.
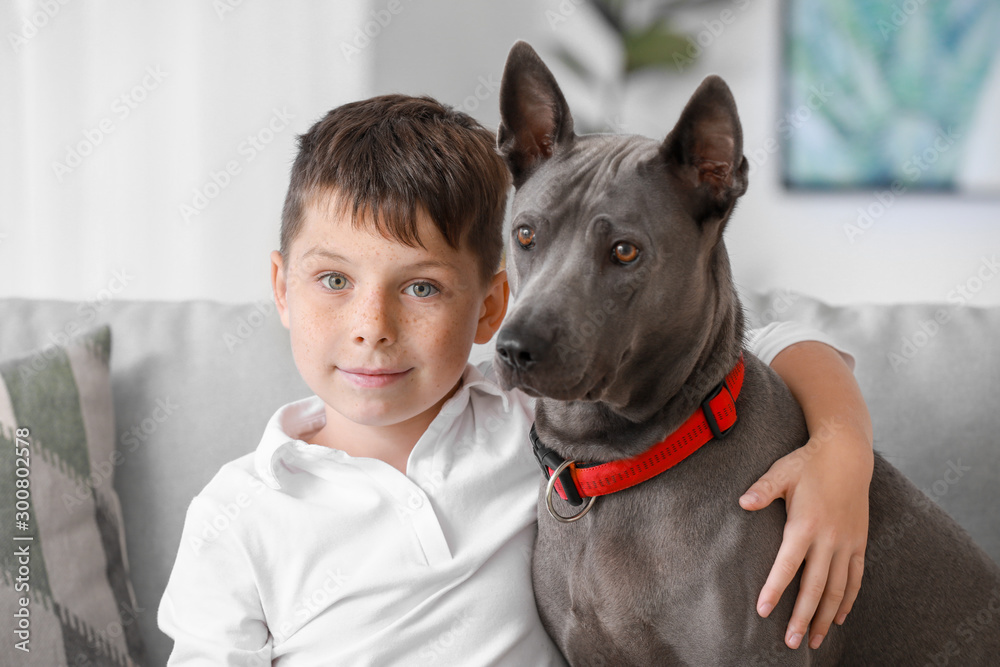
(826, 498)
(825, 488)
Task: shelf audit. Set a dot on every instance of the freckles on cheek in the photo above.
(449, 335)
(427, 333)
(313, 330)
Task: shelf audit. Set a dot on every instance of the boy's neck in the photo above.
(391, 443)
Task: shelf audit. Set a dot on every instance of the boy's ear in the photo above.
(494, 308)
(279, 285)
(535, 121)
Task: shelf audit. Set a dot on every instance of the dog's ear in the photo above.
(535, 122)
(705, 151)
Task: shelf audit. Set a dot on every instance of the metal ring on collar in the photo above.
(548, 497)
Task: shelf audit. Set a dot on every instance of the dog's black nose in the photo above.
(519, 349)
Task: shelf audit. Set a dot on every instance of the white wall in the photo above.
(225, 74)
(920, 249)
(160, 98)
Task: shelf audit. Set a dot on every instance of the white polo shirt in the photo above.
(303, 555)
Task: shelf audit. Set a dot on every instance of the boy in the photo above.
(389, 519)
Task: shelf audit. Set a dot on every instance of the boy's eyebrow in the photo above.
(332, 256)
(431, 264)
(322, 252)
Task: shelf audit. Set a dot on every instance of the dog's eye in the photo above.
(625, 253)
(526, 237)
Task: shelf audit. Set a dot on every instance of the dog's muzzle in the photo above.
(520, 350)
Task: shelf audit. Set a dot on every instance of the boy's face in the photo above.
(379, 330)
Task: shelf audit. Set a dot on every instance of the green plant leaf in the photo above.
(656, 46)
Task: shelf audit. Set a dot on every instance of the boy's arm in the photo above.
(211, 608)
(825, 487)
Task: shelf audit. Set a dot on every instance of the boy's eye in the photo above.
(526, 237)
(422, 290)
(335, 281)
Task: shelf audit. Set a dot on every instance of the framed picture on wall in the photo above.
(902, 95)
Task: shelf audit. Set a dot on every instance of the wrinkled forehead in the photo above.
(597, 170)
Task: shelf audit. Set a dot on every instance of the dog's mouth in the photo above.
(598, 391)
(538, 383)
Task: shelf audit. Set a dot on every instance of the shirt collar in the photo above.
(285, 428)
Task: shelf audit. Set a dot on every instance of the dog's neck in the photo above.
(596, 431)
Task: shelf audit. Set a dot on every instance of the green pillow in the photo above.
(65, 587)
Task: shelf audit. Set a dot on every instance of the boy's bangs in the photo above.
(389, 217)
(388, 160)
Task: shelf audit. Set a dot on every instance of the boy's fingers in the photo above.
(855, 570)
(765, 490)
(790, 557)
(829, 605)
(811, 589)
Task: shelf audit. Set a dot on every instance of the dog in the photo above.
(626, 325)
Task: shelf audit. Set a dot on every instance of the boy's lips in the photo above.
(373, 377)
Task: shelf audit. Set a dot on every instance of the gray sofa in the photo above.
(212, 374)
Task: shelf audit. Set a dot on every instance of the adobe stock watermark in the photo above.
(562, 12)
(120, 109)
(249, 324)
(773, 653)
(141, 431)
(986, 618)
(366, 33)
(779, 304)
(901, 13)
(615, 124)
(248, 149)
(313, 603)
(223, 8)
(698, 386)
(33, 23)
(87, 314)
(441, 645)
(913, 169)
(485, 89)
(102, 471)
(583, 335)
(211, 529)
(927, 329)
(473, 443)
(787, 125)
(414, 500)
(793, 463)
(704, 39)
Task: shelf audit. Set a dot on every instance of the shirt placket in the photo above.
(413, 509)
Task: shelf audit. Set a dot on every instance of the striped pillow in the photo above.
(65, 584)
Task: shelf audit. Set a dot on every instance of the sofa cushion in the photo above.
(194, 384)
(65, 572)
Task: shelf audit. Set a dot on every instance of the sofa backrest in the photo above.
(195, 382)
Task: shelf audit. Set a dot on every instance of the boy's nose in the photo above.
(374, 320)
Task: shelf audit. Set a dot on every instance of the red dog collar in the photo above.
(713, 419)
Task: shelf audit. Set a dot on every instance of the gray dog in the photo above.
(625, 324)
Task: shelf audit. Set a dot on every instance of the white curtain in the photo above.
(145, 146)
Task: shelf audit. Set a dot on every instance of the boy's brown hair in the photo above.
(390, 154)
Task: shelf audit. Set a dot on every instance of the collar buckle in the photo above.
(710, 418)
(550, 461)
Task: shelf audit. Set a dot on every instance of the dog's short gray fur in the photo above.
(668, 572)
